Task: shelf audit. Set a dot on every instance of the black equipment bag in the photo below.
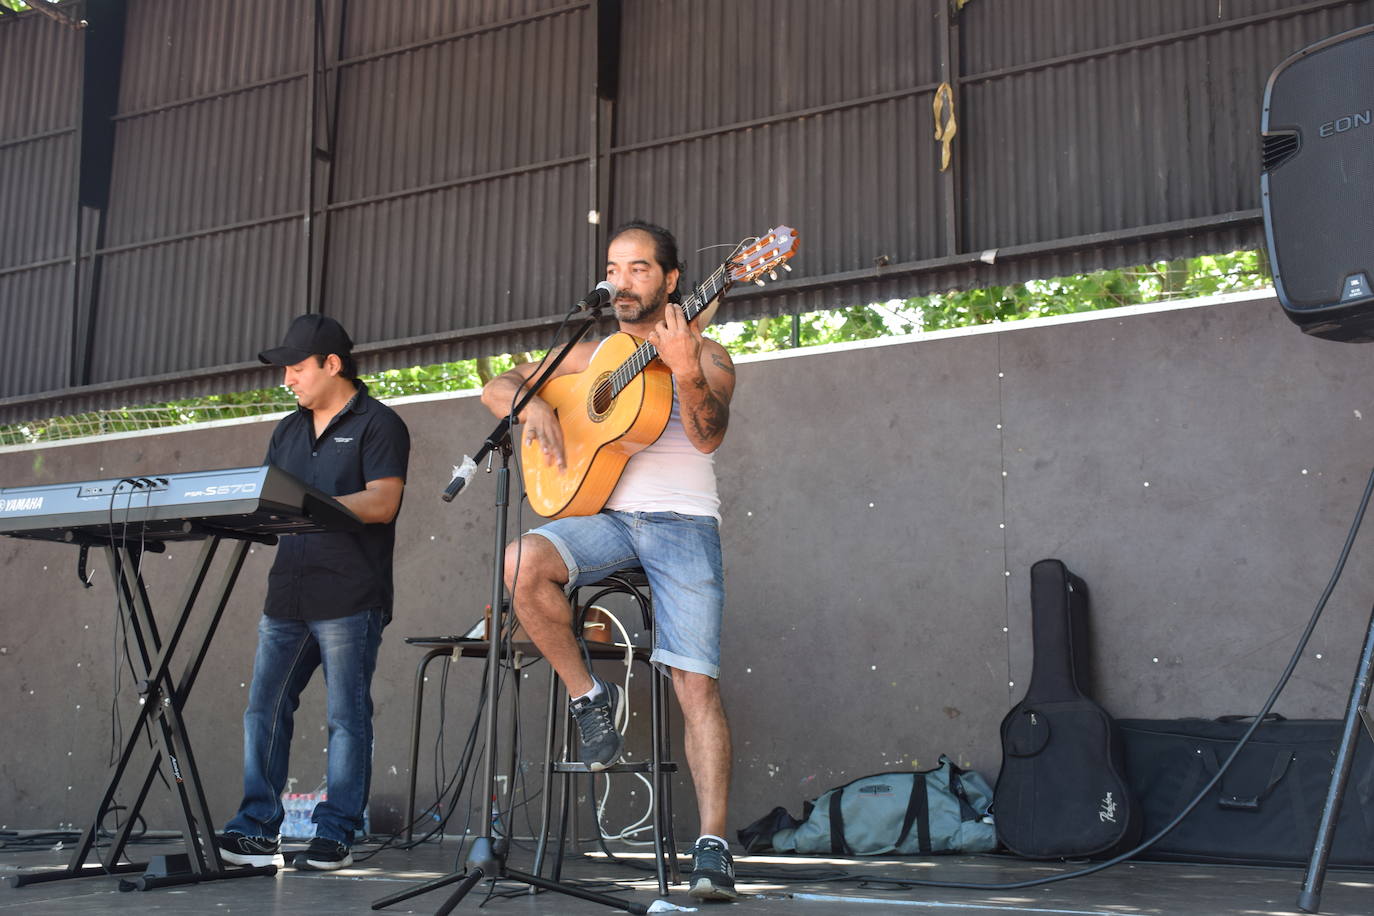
(1267, 806)
(1062, 790)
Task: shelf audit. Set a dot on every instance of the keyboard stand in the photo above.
(161, 714)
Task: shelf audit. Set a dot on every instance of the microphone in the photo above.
(461, 475)
(604, 294)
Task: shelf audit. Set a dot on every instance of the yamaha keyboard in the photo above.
(228, 510)
(255, 502)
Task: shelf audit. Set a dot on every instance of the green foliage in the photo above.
(1187, 278)
(390, 383)
(16, 5)
(394, 383)
(1183, 279)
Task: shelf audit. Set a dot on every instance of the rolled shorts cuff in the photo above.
(663, 659)
(574, 571)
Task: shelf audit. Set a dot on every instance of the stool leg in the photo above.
(416, 707)
(673, 871)
(656, 762)
(568, 789)
(546, 805)
(666, 778)
(668, 813)
(664, 855)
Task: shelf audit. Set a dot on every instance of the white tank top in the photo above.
(671, 475)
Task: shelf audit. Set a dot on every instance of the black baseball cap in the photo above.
(308, 335)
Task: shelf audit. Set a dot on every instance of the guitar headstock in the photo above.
(764, 256)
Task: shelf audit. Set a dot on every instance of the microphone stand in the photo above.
(487, 856)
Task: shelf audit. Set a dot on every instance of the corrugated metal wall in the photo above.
(460, 173)
(460, 146)
(40, 67)
(737, 116)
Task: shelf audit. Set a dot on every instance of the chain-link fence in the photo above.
(128, 419)
(391, 383)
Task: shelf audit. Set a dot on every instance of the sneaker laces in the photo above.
(711, 857)
(594, 721)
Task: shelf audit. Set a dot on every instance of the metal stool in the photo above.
(465, 647)
(631, 582)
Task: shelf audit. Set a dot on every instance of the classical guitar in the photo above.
(621, 402)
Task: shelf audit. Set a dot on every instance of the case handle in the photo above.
(1279, 769)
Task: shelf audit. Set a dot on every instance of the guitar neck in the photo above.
(702, 296)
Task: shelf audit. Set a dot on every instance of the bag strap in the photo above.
(918, 813)
(956, 788)
(837, 844)
(956, 785)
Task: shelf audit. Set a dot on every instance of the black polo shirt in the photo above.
(337, 573)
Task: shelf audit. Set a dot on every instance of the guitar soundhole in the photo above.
(601, 398)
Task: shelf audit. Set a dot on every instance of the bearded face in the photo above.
(631, 266)
(633, 307)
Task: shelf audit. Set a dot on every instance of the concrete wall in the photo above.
(1198, 466)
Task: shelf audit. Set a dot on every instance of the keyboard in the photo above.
(251, 502)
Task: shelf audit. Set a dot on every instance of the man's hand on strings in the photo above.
(678, 342)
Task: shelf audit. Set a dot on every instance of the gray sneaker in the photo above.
(598, 720)
(713, 872)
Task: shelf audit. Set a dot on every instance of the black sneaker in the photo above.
(238, 849)
(713, 871)
(597, 723)
(323, 855)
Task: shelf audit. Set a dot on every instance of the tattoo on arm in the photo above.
(722, 364)
(710, 419)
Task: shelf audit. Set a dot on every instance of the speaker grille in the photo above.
(1278, 149)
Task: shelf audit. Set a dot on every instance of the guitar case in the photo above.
(1267, 806)
(1062, 791)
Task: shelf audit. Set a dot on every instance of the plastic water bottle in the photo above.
(298, 807)
(308, 801)
(289, 816)
(296, 823)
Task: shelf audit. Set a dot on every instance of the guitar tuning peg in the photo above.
(787, 267)
(758, 281)
(772, 274)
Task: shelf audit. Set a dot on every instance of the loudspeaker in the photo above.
(1317, 185)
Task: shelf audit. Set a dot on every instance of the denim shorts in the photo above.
(680, 555)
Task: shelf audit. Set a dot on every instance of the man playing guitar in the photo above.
(662, 515)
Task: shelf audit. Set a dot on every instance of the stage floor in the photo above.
(772, 886)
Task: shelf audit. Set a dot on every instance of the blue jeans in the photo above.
(680, 555)
(289, 651)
